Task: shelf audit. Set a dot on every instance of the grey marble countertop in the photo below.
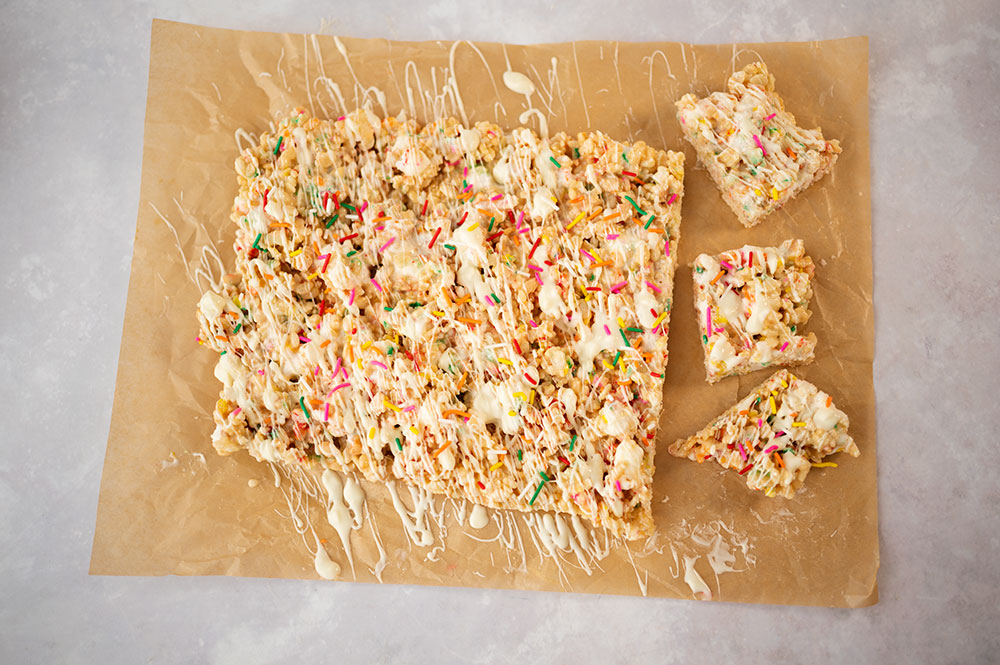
(73, 78)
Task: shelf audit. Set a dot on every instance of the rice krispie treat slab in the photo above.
(477, 312)
(774, 435)
(751, 303)
(752, 147)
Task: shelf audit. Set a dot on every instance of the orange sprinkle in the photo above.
(442, 448)
(218, 337)
(324, 344)
(447, 296)
(267, 277)
(577, 199)
(716, 278)
(777, 459)
(660, 231)
(279, 225)
(485, 213)
(744, 412)
(315, 402)
(463, 299)
(472, 321)
(595, 214)
(829, 400)
(461, 381)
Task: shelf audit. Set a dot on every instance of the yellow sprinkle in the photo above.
(236, 299)
(364, 347)
(575, 220)
(607, 364)
(605, 417)
(504, 361)
(774, 409)
(758, 192)
(783, 384)
(438, 314)
(511, 413)
(295, 253)
(496, 466)
(531, 397)
(391, 405)
(621, 324)
(474, 226)
(371, 433)
(825, 464)
(414, 430)
(659, 318)
(360, 366)
(774, 194)
(770, 492)
(521, 395)
(798, 424)
(312, 276)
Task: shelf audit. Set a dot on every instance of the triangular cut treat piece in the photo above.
(757, 155)
(751, 304)
(774, 435)
(477, 312)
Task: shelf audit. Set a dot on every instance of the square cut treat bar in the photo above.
(478, 312)
(751, 303)
(757, 155)
(774, 435)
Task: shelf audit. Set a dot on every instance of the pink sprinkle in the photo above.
(377, 364)
(236, 411)
(666, 247)
(409, 408)
(351, 301)
(326, 412)
(618, 485)
(759, 145)
(362, 208)
(607, 329)
(770, 116)
(588, 255)
(524, 230)
(671, 199)
(537, 278)
(336, 368)
(488, 301)
(386, 245)
(770, 450)
(497, 197)
(533, 324)
(465, 171)
(760, 422)
(341, 118)
(520, 218)
(469, 187)
(380, 227)
(619, 286)
(708, 320)
(728, 266)
(304, 340)
(377, 286)
(784, 346)
(653, 286)
(743, 452)
(532, 266)
(613, 236)
(316, 371)
(261, 372)
(342, 385)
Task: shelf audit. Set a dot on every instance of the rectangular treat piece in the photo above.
(751, 304)
(774, 435)
(477, 312)
(751, 146)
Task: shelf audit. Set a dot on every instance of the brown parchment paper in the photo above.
(169, 505)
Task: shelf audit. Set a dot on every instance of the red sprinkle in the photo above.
(534, 247)
(494, 236)
(510, 213)
(746, 468)
(266, 191)
(564, 460)
(346, 238)
(326, 263)
(424, 211)
(628, 173)
(436, 234)
(517, 346)
(480, 483)
(530, 380)
(322, 307)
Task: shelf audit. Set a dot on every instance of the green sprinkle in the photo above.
(635, 330)
(333, 219)
(555, 161)
(627, 343)
(388, 309)
(348, 206)
(302, 403)
(537, 490)
(519, 455)
(451, 247)
(704, 339)
(352, 252)
(617, 356)
(699, 270)
(576, 153)
(495, 299)
(390, 351)
(492, 219)
(223, 353)
(237, 328)
(278, 147)
(572, 442)
(544, 477)
(635, 205)
(257, 240)
(399, 445)
(625, 158)
(649, 221)
(416, 304)
(792, 328)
